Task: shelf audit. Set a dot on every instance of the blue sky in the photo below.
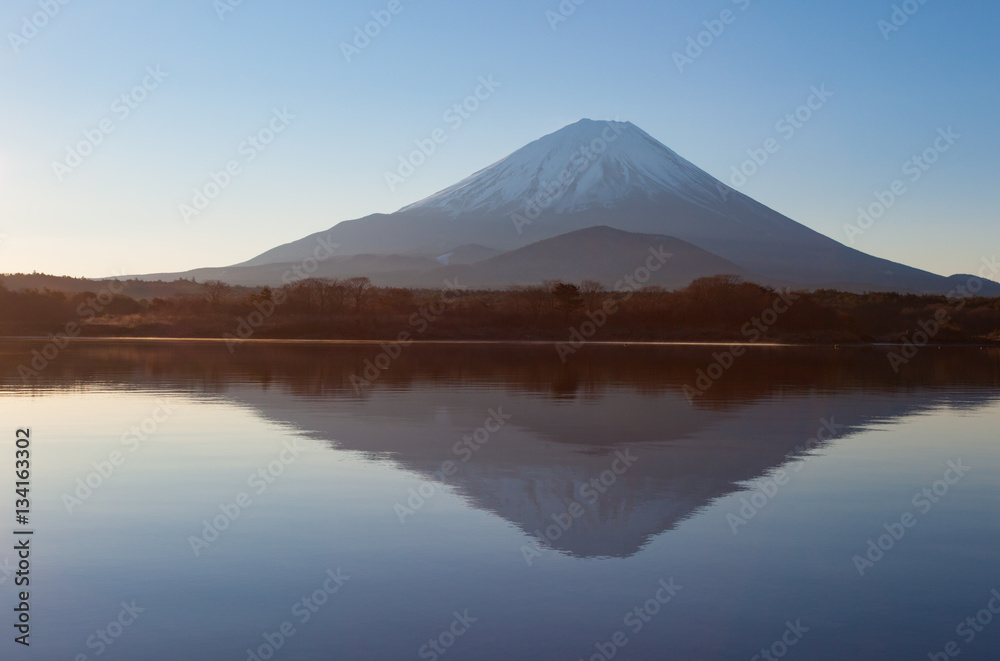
(221, 80)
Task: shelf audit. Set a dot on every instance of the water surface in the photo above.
(603, 483)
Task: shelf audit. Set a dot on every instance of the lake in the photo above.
(494, 502)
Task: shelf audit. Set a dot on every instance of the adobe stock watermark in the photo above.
(455, 116)
(754, 331)
(419, 323)
(121, 109)
(928, 329)
(104, 469)
(32, 24)
(596, 319)
(767, 488)
(590, 493)
(789, 638)
(464, 449)
(225, 7)
(900, 16)
(714, 28)
(87, 310)
(913, 169)
(7, 570)
(969, 628)
(254, 145)
(924, 500)
(444, 641)
(102, 639)
(636, 620)
(365, 35)
(580, 161)
(260, 480)
(265, 309)
(302, 611)
(786, 127)
(562, 12)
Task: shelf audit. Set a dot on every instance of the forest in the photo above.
(719, 308)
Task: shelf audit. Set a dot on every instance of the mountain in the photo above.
(597, 253)
(611, 174)
(588, 164)
(395, 270)
(602, 254)
(469, 254)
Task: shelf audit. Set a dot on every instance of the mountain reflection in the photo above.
(566, 421)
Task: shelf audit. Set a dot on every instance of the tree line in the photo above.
(713, 308)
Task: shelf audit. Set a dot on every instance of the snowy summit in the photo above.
(584, 165)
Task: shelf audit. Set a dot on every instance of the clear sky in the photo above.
(221, 79)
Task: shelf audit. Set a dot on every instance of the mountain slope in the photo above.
(597, 253)
(468, 254)
(585, 165)
(613, 174)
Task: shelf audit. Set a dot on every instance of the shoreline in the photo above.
(595, 343)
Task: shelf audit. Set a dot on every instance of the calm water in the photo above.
(583, 489)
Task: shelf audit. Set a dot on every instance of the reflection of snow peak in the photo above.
(464, 450)
(590, 493)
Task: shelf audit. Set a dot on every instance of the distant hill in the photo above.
(468, 254)
(602, 254)
(135, 288)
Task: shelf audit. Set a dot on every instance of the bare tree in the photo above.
(216, 291)
(358, 290)
(332, 294)
(715, 290)
(398, 299)
(532, 299)
(593, 292)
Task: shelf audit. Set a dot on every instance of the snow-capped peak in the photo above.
(586, 164)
